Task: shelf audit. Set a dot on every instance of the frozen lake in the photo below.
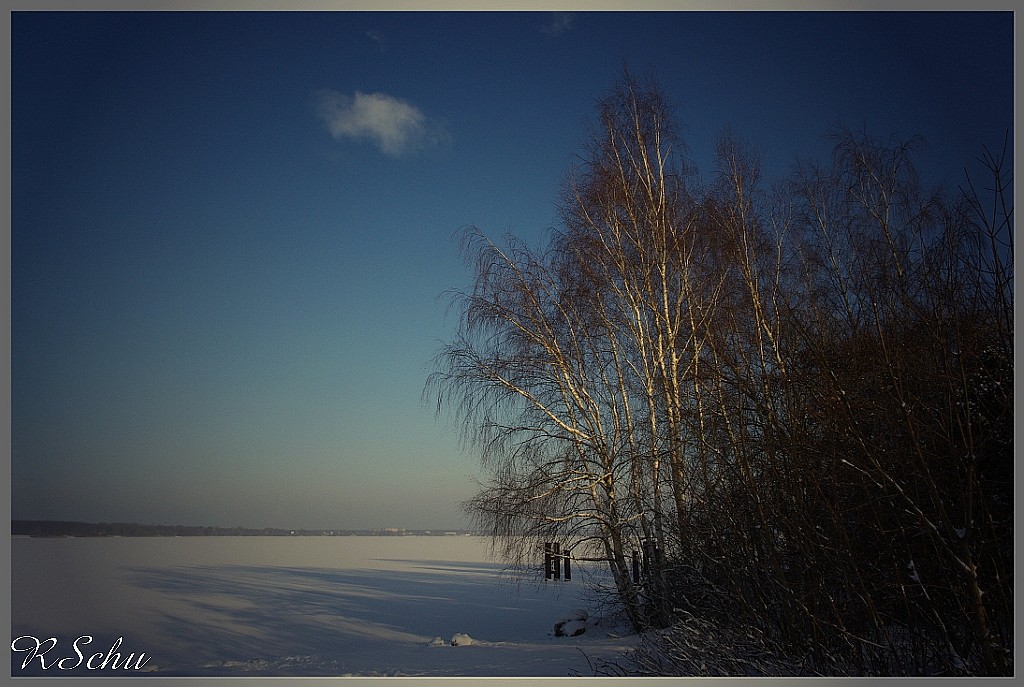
(294, 606)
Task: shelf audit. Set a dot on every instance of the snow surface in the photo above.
(301, 606)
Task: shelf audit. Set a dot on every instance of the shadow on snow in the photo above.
(226, 619)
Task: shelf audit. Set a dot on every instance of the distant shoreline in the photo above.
(65, 528)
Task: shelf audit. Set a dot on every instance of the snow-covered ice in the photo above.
(300, 606)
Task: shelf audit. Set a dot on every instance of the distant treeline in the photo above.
(59, 528)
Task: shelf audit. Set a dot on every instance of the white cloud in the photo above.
(377, 37)
(395, 125)
(560, 23)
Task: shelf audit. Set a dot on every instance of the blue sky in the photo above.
(231, 233)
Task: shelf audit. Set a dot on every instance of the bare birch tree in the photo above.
(800, 397)
(570, 366)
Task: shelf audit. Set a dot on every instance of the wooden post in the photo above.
(547, 561)
(558, 560)
(568, 571)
